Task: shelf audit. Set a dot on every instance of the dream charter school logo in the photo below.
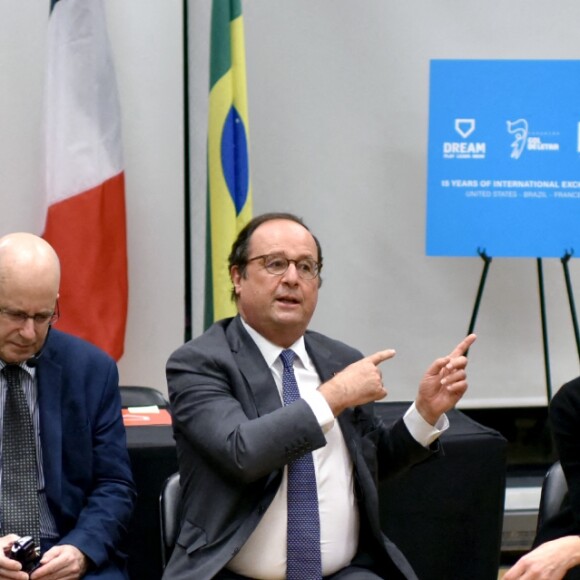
(523, 139)
(464, 149)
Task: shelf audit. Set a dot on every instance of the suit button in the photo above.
(236, 550)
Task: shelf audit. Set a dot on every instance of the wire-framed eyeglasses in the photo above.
(40, 319)
(277, 264)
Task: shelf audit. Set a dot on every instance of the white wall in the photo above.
(338, 93)
(338, 105)
(147, 47)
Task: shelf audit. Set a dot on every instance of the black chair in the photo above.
(554, 492)
(142, 397)
(169, 516)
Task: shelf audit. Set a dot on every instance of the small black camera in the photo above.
(24, 551)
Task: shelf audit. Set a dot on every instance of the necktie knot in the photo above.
(288, 357)
(12, 374)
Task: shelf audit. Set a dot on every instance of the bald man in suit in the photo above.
(85, 487)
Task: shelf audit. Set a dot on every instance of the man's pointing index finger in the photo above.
(381, 356)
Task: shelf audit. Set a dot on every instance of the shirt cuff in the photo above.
(423, 432)
(321, 409)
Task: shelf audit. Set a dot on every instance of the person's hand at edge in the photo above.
(549, 561)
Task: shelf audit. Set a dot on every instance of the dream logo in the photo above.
(463, 149)
(465, 127)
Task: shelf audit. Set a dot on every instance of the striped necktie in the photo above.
(303, 559)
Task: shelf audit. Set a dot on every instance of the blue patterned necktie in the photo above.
(303, 560)
(20, 511)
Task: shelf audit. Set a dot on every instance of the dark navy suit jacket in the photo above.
(234, 437)
(564, 413)
(88, 477)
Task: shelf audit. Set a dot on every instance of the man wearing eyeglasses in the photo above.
(68, 484)
(279, 449)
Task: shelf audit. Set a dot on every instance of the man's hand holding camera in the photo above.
(10, 568)
(62, 562)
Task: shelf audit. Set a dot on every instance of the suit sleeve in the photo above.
(109, 501)
(215, 411)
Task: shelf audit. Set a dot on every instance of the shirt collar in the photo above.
(30, 370)
(271, 352)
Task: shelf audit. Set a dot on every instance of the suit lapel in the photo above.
(253, 367)
(325, 362)
(327, 366)
(49, 404)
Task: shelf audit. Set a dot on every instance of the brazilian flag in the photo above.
(229, 193)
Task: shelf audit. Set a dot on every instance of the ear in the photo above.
(236, 278)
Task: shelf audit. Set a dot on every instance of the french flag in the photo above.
(85, 185)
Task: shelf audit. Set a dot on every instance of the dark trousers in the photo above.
(349, 573)
(354, 573)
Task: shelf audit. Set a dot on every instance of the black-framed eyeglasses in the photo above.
(40, 319)
(277, 264)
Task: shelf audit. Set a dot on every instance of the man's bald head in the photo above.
(26, 255)
(29, 283)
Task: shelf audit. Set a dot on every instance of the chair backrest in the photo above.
(169, 515)
(554, 492)
(142, 397)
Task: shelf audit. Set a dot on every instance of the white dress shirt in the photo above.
(263, 556)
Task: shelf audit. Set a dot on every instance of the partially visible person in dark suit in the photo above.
(85, 493)
(241, 439)
(556, 548)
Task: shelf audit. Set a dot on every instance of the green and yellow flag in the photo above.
(229, 193)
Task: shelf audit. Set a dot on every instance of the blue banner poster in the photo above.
(504, 158)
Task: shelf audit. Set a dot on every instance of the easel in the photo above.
(565, 259)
